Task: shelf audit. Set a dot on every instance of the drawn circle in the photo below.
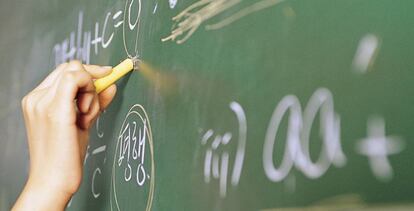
(137, 112)
(131, 24)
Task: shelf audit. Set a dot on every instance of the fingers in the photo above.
(94, 70)
(99, 102)
(98, 71)
(84, 121)
(106, 96)
(52, 77)
(84, 101)
(73, 80)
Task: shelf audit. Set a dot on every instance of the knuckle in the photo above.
(62, 65)
(29, 103)
(24, 102)
(69, 76)
(76, 64)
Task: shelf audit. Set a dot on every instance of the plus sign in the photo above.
(377, 147)
(97, 39)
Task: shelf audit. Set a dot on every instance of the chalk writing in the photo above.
(298, 132)
(366, 53)
(377, 147)
(79, 43)
(296, 154)
(130, 33)
(216, 162)
(172, 3)
(190, 19)
(131, 165)
(132, 146)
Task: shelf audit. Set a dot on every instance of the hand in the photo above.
(58, 114)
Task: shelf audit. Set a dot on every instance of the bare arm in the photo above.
(58, 114)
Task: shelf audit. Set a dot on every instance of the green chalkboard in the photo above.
(238, 104)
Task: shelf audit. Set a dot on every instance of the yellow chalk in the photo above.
(117, 72)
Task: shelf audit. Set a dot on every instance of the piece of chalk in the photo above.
(117, 73)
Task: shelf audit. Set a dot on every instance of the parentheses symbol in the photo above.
(238, 165)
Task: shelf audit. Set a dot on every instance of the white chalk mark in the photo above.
(86, 155)
(188, 21)
(366, 53)
(140, 171)
(207, 165)
(127, 12)
(226, 138)
(216, 142)
(95, 43)
(116, 15)
(331, 152)
(216, 161)
(288, 103)
(99, 150)
(155, 8)
(118, 24)
(377, 147)
(70, 201)
(172, 3)
(241, 148)
(223, 174)
(105, 44)
(128, 172)
(72, 49)
(215, 166)
(94, 193)
(297, 150)
(138, 112)
(79, 35)
(206, 136)
(132, 26)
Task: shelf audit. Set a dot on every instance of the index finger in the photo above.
(97, 71)
(72, 83)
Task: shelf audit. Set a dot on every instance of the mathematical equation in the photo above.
(376, 146)
(219, 162)
(82, 42)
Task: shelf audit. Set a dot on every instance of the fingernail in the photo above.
(107, 67)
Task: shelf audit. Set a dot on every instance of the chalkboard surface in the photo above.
(238, 104)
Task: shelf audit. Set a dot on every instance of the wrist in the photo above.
(38, 196)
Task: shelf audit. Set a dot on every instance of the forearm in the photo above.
(58, 114)
(41, 197)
